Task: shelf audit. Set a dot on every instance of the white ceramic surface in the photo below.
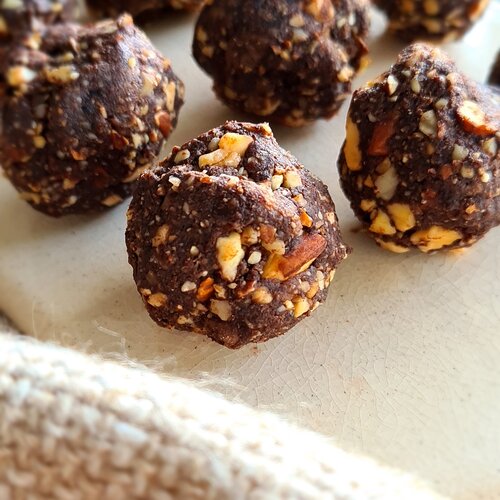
(402, 363)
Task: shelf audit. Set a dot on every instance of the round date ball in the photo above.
(25, 17)
(420, 163)
(84, 115)
(232, 238)
(438, 20)
(290, 61)
(495, 73)
(142, 8)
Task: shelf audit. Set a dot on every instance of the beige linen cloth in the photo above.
(76, 427)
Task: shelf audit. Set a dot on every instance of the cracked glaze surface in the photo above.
(402, 361)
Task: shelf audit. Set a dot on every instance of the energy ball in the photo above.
(438, 20)
(142, 7)
(232, 238)
(420, 163)
(20, 18)
(290, 61)
(84, 115)
(495, 73)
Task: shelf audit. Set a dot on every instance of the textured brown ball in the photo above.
(290, 61)
(84, 114)
(142, 8)
(420, 164)
(232, 238)
(20, 18)
(438, 20)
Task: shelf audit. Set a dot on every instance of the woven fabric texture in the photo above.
(75, 427)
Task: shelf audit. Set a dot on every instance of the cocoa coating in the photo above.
(238, 246)
(420, 164)
(290, 61)
(437, 20)
(84, 114)
(143, 9)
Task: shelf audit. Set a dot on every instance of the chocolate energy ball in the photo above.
(290, 61)
(142, 8)
(444, 20)
(232, 238)
(84, 115)
(495, 72)
(420, 163)
(20, 18)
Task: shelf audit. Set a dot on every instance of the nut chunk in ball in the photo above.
(420, 163)
(444, 20)
(142, 8)
(232, 238)
(290, 61)
(84, 115)
(26, 17)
